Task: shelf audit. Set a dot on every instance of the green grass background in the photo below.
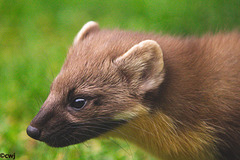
(34, 40)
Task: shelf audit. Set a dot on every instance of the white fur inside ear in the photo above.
(147, 45)
(144, 63)
(91, 25)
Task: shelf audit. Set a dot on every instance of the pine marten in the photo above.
(175, 97)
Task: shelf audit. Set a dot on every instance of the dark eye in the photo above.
(78, 103)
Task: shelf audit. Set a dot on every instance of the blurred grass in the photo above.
(34, 39)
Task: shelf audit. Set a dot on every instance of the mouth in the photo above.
(66, 139)
(57, 143)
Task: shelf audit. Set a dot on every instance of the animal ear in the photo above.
(142, 66)
(86, 29)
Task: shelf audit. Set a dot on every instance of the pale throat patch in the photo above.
(158, 135)
(136, 111)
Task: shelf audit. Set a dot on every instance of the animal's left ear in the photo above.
(86, 29)
(142, 66)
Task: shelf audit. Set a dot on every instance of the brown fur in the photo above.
(199, 95)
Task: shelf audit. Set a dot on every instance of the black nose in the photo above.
(33, 132)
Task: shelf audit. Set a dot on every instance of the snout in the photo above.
(33, 132)
(39, 122)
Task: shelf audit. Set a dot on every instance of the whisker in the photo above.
(74, 145)
(86, 145)
(107, 128)
(47, 59)
(131, 125)
(112, 142)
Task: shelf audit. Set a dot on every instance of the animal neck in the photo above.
(159, 135)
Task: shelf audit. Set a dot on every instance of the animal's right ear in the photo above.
(142, 66)
(86, 29)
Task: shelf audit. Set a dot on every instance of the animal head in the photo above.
(102, 85)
